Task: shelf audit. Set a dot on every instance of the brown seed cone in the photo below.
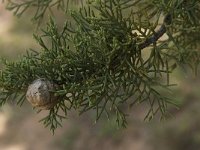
(39, 94)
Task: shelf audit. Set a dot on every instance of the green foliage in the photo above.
(109, 57)
(41, 7)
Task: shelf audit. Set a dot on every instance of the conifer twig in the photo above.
(158, 34)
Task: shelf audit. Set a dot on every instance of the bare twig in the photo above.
(158, 34)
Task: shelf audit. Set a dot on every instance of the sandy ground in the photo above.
(20, 130)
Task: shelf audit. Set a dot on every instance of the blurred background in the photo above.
(20, 129)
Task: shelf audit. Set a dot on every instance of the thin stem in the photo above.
(158, 34)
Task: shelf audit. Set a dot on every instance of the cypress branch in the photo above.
(97, 62)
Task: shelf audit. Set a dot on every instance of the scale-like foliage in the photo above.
(109, 57)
